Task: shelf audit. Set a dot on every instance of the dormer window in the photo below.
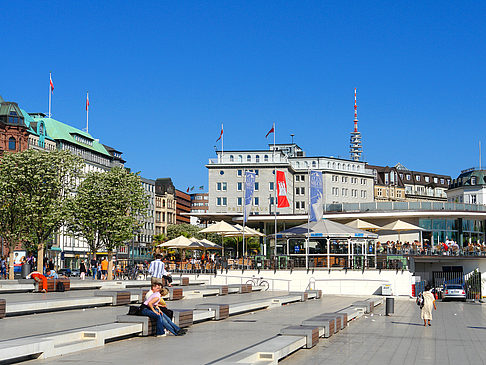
(13, 112)
(83, 139)
(248, 158)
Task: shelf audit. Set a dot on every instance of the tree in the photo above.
(12, 206)
(109, 209)
(183, 229)
(48, 180)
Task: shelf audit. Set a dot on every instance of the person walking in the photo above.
(104, 269)
(157, 270)
(428, 305)
(82, 269)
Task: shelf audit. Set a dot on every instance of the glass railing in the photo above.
(392, 206)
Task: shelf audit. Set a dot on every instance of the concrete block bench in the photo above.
(336, 320)
(223, 289)
(317, 294)
(304, 296)
(243, 307)
(23, 347)
(221, 310)
(311, 333)
(365, 306)
(52, 284)
(118, 297)
(286, 299)
(148, 324)
(200, 315)
(137, 295)
(327, 325)
(344, 318)
(3, 307)
(183, 317)
(242, 288)
(175, 293)
(51, 305)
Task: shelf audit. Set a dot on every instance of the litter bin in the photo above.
(25, 270)
(389, 306)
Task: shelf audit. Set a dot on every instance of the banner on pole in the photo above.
(283, 202)
(316, 210)
(249, 189)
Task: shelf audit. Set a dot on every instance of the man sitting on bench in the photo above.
(40, 279)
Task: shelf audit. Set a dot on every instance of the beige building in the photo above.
(165, 205)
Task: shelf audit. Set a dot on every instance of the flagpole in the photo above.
(222, 137)
(50, 92)
(244, 213)
(275, 190)
(87, 110)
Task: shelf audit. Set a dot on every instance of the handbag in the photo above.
(134, 310)
(169, 313)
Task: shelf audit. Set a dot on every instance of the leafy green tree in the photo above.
(109, 209)
(12, 206)
(183, 229)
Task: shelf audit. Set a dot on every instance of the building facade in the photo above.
(199, 204)
(165, 205)
(468, 188)
(388, 186)
(183, 207)
(344, 181)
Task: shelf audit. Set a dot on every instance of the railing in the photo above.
(435, 251)
(401, 206)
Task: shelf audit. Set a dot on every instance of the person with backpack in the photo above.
(426, 302)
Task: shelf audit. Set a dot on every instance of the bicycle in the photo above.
(259, 282)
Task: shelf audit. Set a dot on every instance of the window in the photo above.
(343, 192)
(257, 158)
(302, 191)
(257, 172)
(363, 194)
(221, 172)
(224, 201)
(12, 112)
(239, 186)
(257, 201)
(335, 191)
(427, 179)
(265, 158)
(271, 200)
(12, 144)
(297, 177)
(239, 201)
(218, 201)
(473, 199)
(297, 205)
(257, 186)
(417, 177)
(408, 176)
(442, 181)
(248, 158)
(297, 191)
(302, 177)
(302, 205)
(271, 186)
(218, 186)
(240, 158)
(232, 158)
(436, 180)
(225, 186)
(379, 192)
(344, 179)
(239, 173)
(314, 164)
(473, 182)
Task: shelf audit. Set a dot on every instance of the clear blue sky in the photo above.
(163, 76)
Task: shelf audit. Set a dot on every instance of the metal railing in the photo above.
(401, 206)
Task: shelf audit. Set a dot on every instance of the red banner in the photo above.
(283, 202)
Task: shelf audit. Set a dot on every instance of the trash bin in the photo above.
(389, 306)
(25, 270)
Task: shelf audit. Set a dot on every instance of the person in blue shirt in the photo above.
(52, 274)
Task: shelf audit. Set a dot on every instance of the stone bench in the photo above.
(23, 347)
(243, 307)
(51, 305)
(223, 289)
(183, 317)
(326, 324)
(317, 294)
(221, 310)
(3, 307)
(242, 288)
(334, 318)
(304, 295)
(118, 297)
(175, 293)
(310, 332)
(286, 299)
(343, 318)
(365, 306)
(149, 325)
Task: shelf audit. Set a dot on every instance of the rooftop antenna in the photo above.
(355, 146)
(292, 135)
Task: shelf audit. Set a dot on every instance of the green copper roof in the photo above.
(60, 131)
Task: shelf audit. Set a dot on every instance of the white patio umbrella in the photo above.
(361, 224)
(179, 242)
(400, 226)
(222, 228)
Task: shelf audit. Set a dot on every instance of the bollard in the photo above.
(389, 306)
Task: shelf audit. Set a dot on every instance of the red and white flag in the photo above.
(87, 101)
(221, 135)
(282, 200)
(51, 84)
(270, 131)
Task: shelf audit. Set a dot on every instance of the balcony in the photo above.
(403, 206)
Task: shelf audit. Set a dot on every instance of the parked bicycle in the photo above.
(259, 282)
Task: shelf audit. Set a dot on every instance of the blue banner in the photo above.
(249, 189)
(316, 210)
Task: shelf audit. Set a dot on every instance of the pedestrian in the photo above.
(3, 267)
(428, 304)
(40, 279)
(94, 267)
(104, 269)
(82, 269)
(51, 265)
(158, 272)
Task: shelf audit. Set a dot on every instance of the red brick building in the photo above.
(14, 136)
(183, 206)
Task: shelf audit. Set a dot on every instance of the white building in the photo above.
(344, 181)
(468, 188)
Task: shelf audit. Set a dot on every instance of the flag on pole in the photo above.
(316, 210)
(249, 189)
(221, 135)
(270, 131)
(187, 189)
(282, 200)
(51, 84)
(201, 187)
(192, 188)
(87, 101)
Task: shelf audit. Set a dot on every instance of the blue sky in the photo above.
(163, 76)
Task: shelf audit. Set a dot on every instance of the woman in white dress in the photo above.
(429, 303)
